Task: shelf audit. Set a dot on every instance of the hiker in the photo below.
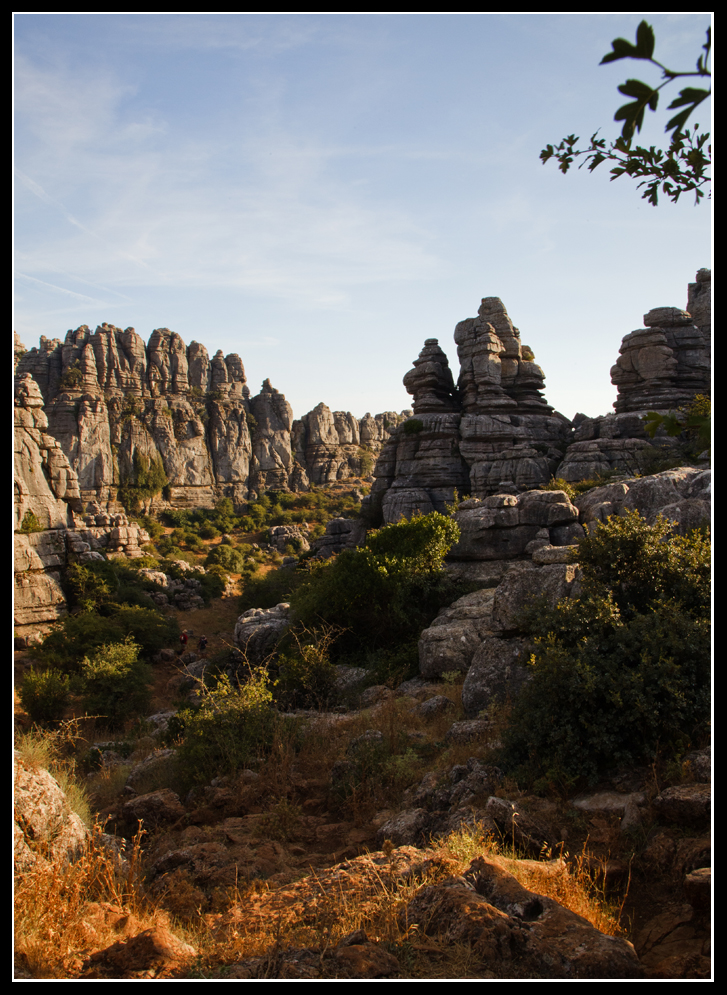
(202, 644)
(183, 641)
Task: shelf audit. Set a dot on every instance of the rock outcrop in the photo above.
(50, 532)
(661, 367)
(491, 433)
(45, 483)
(45, 828)
(133, 419)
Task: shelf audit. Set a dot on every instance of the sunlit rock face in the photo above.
(491, 432)
(118, 406)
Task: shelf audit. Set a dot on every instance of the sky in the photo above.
(321, 193)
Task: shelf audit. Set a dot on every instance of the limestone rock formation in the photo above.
(259, 630)
(340, 534)
(45, 827)
(682, 495)
(48, 510)
(661, 367)
(135, 419)
(45, 483)
(490, 433)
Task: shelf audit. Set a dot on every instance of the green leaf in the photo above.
(690, 95)
(622, 49)
(635, 88)
(645, 41)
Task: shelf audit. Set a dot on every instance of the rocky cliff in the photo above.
(135, 419)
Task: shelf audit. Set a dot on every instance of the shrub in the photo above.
(412, 426)
(45, 694)
(82, 634)
(226, 557)
(692, 421)
(385, 593)
(30, 523)
(419, 545)
(146, 479)
(233, 727)
(115, 683)
(72, 378)
(306, 675)
(623, 671)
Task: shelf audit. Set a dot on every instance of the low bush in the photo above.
(383, 594)
(115, 683)
(306, 676)
(622, 672)
(413, 426)
(30, 523)
(79, 635)
(45, 694)
(233, 727)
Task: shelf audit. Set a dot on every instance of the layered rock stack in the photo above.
(491, 433)
(119, 407)
(661, 367)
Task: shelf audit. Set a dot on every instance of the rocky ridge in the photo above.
(120, 409)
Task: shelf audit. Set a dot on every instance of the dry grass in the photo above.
(59, 909)
(566, 880)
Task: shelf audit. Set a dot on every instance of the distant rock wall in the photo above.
(115, 405)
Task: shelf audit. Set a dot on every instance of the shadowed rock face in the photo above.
(660, 367)
(490, 433)
(109, 399)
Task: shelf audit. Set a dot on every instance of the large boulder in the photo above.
(259, 630)
(45, 827)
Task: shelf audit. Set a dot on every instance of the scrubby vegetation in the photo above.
(622, 672)
(620, 675)
(382, 594)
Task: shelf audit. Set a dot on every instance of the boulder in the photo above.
(45, 827)
(259, 630)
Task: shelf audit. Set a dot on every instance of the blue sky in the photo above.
(321, 193)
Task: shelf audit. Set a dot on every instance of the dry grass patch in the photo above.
(64, 913)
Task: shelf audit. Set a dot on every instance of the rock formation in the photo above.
(50, 531)
(490, 433)
(124, 412)
(661, 367)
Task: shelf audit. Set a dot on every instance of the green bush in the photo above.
(413, 426)
(72, 378)
(419, 545)
(82, 634)
(306, 676)
(115, 683)
(382, 594)
(44, 694)
(30, 523)
(147, 478)
(227, 557)
(233, 727)
(622, 672)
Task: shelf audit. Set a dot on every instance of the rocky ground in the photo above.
(278, 874)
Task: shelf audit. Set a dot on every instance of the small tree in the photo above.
(44, 694)
(30, 523)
